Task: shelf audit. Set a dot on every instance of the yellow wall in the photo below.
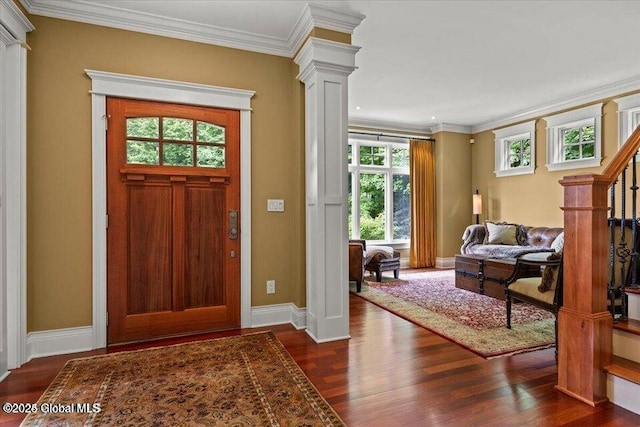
(59, 156)
(453, 195)
(336, 36)
(534, 199)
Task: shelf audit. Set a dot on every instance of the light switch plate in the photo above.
(275, 205)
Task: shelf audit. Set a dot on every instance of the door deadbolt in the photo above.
(233, 225)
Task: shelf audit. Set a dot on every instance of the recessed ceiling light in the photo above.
(433, 117)
(357, 108)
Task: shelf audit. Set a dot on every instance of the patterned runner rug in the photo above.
(243, 381)
(476, 322)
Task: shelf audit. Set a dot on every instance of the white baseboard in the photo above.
(74, 340)
(59, 341)
(623, 393)
(4, 375)
(445, 262)
(278, 314)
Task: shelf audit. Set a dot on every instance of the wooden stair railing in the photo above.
(585, 326)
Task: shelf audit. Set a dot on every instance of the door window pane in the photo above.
(143, 153)
(401, 207)
(177, 129)
(143, 127)
(372, 206)
(210, 156)
(177, 154)
(208, 132)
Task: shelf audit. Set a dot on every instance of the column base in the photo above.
(584, 349)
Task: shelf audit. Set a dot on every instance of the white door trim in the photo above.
(105, 84)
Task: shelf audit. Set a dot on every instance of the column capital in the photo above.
(324, 55)
(14, 21)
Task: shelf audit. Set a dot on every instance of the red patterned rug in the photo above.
(246, 380)
(476, 322)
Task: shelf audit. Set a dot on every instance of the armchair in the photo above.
(357, 255)
(544, 292)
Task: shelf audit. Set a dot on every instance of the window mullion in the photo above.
(388, 206)
(355, 200)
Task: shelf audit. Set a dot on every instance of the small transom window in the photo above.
(573, 139)
(578, 142)
(515, 149)
(171, 141)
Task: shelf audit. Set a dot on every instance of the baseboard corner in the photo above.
(445, 262)
(59, 341)
(279, 314)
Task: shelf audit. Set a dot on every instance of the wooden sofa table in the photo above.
(486, 276)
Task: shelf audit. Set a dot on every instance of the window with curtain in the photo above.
(379, 189)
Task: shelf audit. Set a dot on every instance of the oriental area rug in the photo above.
(476, 322)
(246, 380)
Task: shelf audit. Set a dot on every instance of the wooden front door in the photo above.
(173, 203)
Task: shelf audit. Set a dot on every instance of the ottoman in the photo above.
(382, 258)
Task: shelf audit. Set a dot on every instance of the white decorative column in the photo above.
(324, 69)
(13, 188)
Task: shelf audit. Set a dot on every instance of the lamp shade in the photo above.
(477, 204)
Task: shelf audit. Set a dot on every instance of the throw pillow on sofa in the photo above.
(550, 274)
(501, 233)
(558, 243)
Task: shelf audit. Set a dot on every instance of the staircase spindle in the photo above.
(622, 251)
(611, 287)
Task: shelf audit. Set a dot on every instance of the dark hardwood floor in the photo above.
(393, 373)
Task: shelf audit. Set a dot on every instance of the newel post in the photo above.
(584, 324)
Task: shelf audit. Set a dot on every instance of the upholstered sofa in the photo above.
(505, 240)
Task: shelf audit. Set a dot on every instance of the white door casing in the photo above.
(127, 86)
(13, 191)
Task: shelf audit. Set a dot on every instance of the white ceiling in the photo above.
(471, 64)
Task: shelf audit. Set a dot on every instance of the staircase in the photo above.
(623, 374)
(599, 340)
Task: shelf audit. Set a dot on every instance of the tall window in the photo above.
(379, 193)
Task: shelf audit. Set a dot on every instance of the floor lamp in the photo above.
(477, 206)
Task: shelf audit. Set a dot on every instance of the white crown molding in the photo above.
(13, 20)
(313, 15)
(392, 126)
(110, 16)
(450, 127)
(597, 94)
(332, 19)
(316, 15)
(320, 54)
